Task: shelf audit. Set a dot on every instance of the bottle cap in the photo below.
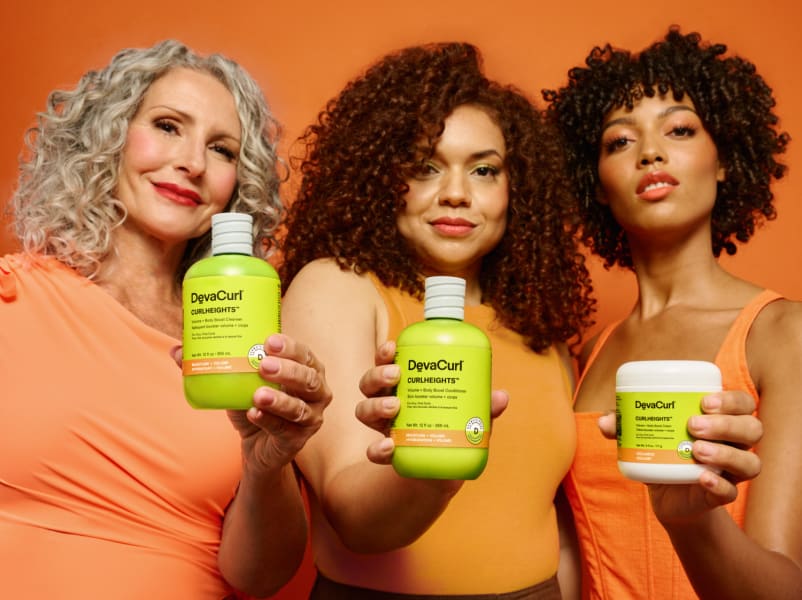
(445, 298)
(232, 233)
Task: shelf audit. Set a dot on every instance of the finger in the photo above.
(385, 353)
(744, 430)
(381, 452)
(499, 400)
(379, 380)
(278, 404)
(732, 402)
(377, 413)
(607, 424)
(718, 489)
(739, 465)
(298, 378)
(177, 352)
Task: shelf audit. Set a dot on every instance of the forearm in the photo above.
(722, 561)
(264, 532)
(375, 510)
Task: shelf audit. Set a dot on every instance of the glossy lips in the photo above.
(655, 185)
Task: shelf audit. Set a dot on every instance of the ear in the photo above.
(721, 173)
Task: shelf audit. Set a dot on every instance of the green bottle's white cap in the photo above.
(232, 233)
(445, 298)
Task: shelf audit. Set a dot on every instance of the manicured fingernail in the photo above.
(270, 365)
(391, 372)
(275, 343)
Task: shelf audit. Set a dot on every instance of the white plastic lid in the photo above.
(668, 375)
(232, 233)
(445, 298)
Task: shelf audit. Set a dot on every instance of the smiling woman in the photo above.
(112, 486)
(423, 166)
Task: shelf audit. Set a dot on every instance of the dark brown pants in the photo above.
(326, 589)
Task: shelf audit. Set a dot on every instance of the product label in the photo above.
(226, 322)
(445, 397)
(652, 426)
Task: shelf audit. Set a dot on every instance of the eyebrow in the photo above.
(481, 154)
(661, 115)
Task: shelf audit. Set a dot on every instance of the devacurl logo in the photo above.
(255, 355)
(475, 430)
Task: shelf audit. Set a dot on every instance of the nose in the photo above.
(651, 152)
(191, 158)
(454, 190)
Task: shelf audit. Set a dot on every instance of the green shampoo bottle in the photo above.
(442, 429)
(232, 303)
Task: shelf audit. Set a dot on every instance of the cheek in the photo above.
(142, 151)
(222, 183)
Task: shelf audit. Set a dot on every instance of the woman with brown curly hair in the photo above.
(422, 166)
(672, 152)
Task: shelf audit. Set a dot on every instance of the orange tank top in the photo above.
(626, 553)
(499, 533)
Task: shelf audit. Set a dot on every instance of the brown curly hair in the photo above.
(736, 108)
(379, 130)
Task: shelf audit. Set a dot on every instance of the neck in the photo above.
(141, 275)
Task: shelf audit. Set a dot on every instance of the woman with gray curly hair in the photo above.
(111, 484)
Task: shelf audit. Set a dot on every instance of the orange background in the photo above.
(302, 53)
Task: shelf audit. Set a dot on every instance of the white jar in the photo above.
(653, 401)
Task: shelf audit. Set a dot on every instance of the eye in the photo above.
(616, 143)
(683, 131)
(426, 170)
(224, 151)
(166, 125)
(486, 171)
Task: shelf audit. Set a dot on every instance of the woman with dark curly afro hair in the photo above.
(672, 152)
(423, 166)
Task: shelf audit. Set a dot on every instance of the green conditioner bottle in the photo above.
(442, 429)
(232, 303)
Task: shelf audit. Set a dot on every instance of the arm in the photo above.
(264, 530)
(764, 559)
(371, 508)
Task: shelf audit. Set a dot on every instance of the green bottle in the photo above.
(442, 429)
(232, 303)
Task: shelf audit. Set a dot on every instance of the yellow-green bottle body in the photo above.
(442, 429)
(232, 303)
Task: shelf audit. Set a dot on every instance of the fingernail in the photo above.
(275, 343)
(698, 424)
(712, 402)
(391, 372)
(703, 449)
(270, 365)
(390, 403)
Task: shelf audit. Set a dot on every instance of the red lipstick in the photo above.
(178, 194)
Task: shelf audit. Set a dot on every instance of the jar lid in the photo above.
(668, 375)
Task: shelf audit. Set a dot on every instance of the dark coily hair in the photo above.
(382, 127)
(735, 106)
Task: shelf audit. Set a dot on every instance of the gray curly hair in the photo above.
(64, 204)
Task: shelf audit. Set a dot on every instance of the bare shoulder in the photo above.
(323, 280)
(774, 345)
(778, 324)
